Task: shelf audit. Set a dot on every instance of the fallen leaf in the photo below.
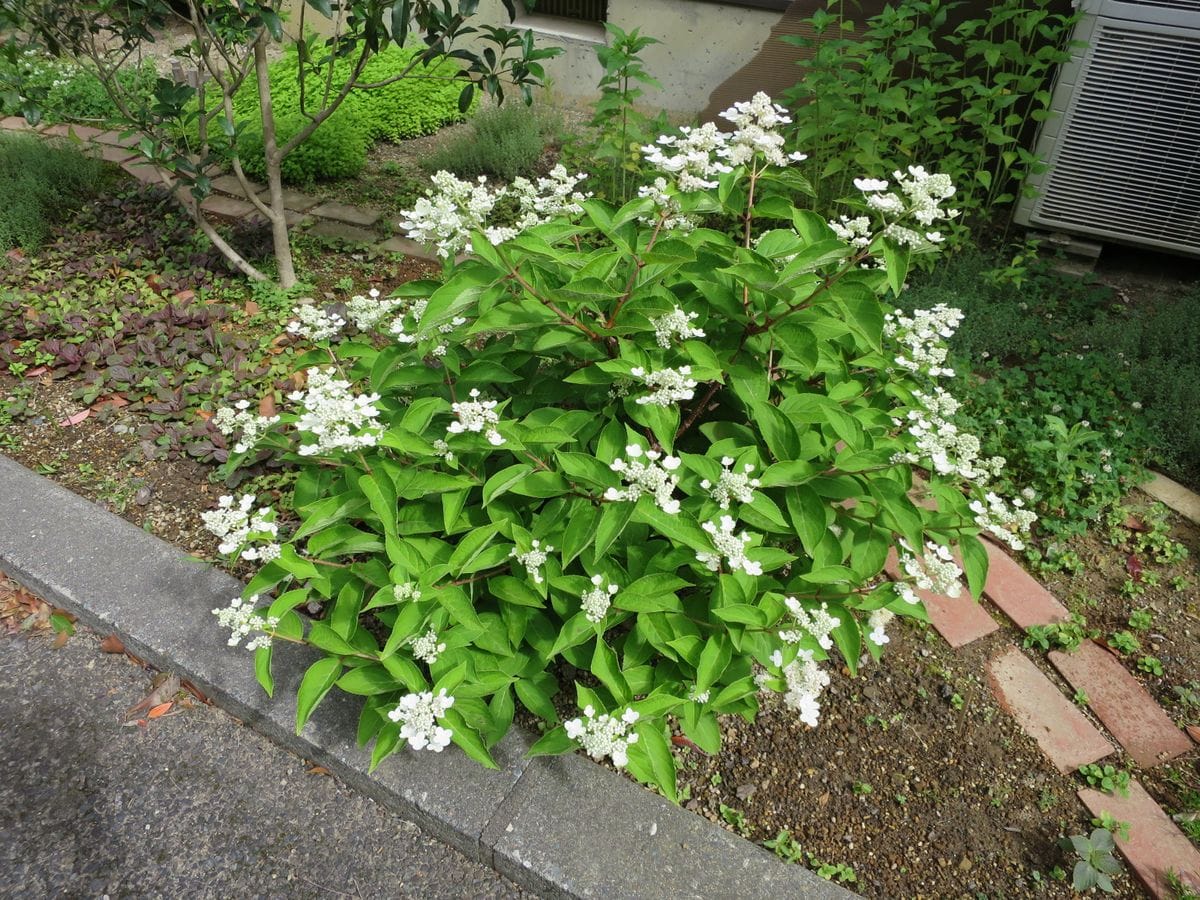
(204, 414)
(159, 710)
(195, 692)
(60, 640)
(266, 406)
(114, 400)
(75, 419)
(112, 644)
(36, 371)
(250, 308)
(185, 296)
(1193, 732)
(1133, 523)
(15, 254)
(680, 741)
(1133, 566)
(158, 697)
(319, 770)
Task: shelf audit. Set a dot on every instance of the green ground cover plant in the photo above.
(41, 183)
(65, 90)
(1080, 389)
(672, 457)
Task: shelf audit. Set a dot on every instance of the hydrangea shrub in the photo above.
(670, 444)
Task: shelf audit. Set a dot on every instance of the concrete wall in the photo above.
(702, 45)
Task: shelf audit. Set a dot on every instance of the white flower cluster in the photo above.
(367, 312)
(935, 571)
(442, 449)
(696, 158)
(697, 155)
(314, 323)
(922, 337)
(939, 440)
(338, 418)
(406, 591)
(478, 416)
(669, 385)
(411, 332)
(418, 715)
(729, 545)
(675, 325)
(923, 193)
(238, 524)
(427, 648)
(732, 485)
(604, 735)
(1004, 520)
(805, 681)
(533, 559)
(757, 123)
(229, 421)
(818, 623)
(453, 208)
(241, 618)
(646, 477)
(596, 600)
(856, 231)
(877, 621)
(668, 206)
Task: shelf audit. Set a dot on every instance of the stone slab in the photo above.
(959, 620)
(563, 827)
(229, 184)
(143, 171)
(227, 207)
(1017, 593)
(1155, 846)
(408, 247)
(339, 231)
(570, 819)
(114, 137)
(1127, 710)
(16, 123)
(292, 199)
(1062, 732)
(112, 153)
(1174, 495)
(343, 212)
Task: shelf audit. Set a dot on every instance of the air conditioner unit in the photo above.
(1123, 147)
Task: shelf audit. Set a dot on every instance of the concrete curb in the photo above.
(1174, 495)
(561, 827)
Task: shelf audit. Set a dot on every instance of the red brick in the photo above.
(114, 137)
(112, 154)
(1155, 845)
(959, 620)
(16, 123)
(1129, 713)
(1062, 731)
(143, 172)
(226, 207)
(1018, 593)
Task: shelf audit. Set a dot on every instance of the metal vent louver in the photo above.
(1125, 157)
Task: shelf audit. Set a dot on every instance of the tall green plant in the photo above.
(915, 86)
(619, 129)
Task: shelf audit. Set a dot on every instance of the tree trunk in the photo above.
(278, 217)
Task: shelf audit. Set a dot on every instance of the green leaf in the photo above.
(714, 659)
(468, 739)
(553, 743)
(975, 564)
(262, 669)
(315, 684)
(366, 681)
(807, 512)
(471, 545)
(536, 697)
(579, 531)
(325, 638)
(651, 593)
(608, 670)
(613, 519)
(514, 590)
(505, 480)
(653, 743)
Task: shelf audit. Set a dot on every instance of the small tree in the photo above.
(229, 45)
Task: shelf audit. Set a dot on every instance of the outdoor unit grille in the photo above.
(1124, 146)
(584, 10)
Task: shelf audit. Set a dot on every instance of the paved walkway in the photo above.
(189, 803)
(1131, 718)
(333, 221)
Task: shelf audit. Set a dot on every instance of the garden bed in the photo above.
(916, 782)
